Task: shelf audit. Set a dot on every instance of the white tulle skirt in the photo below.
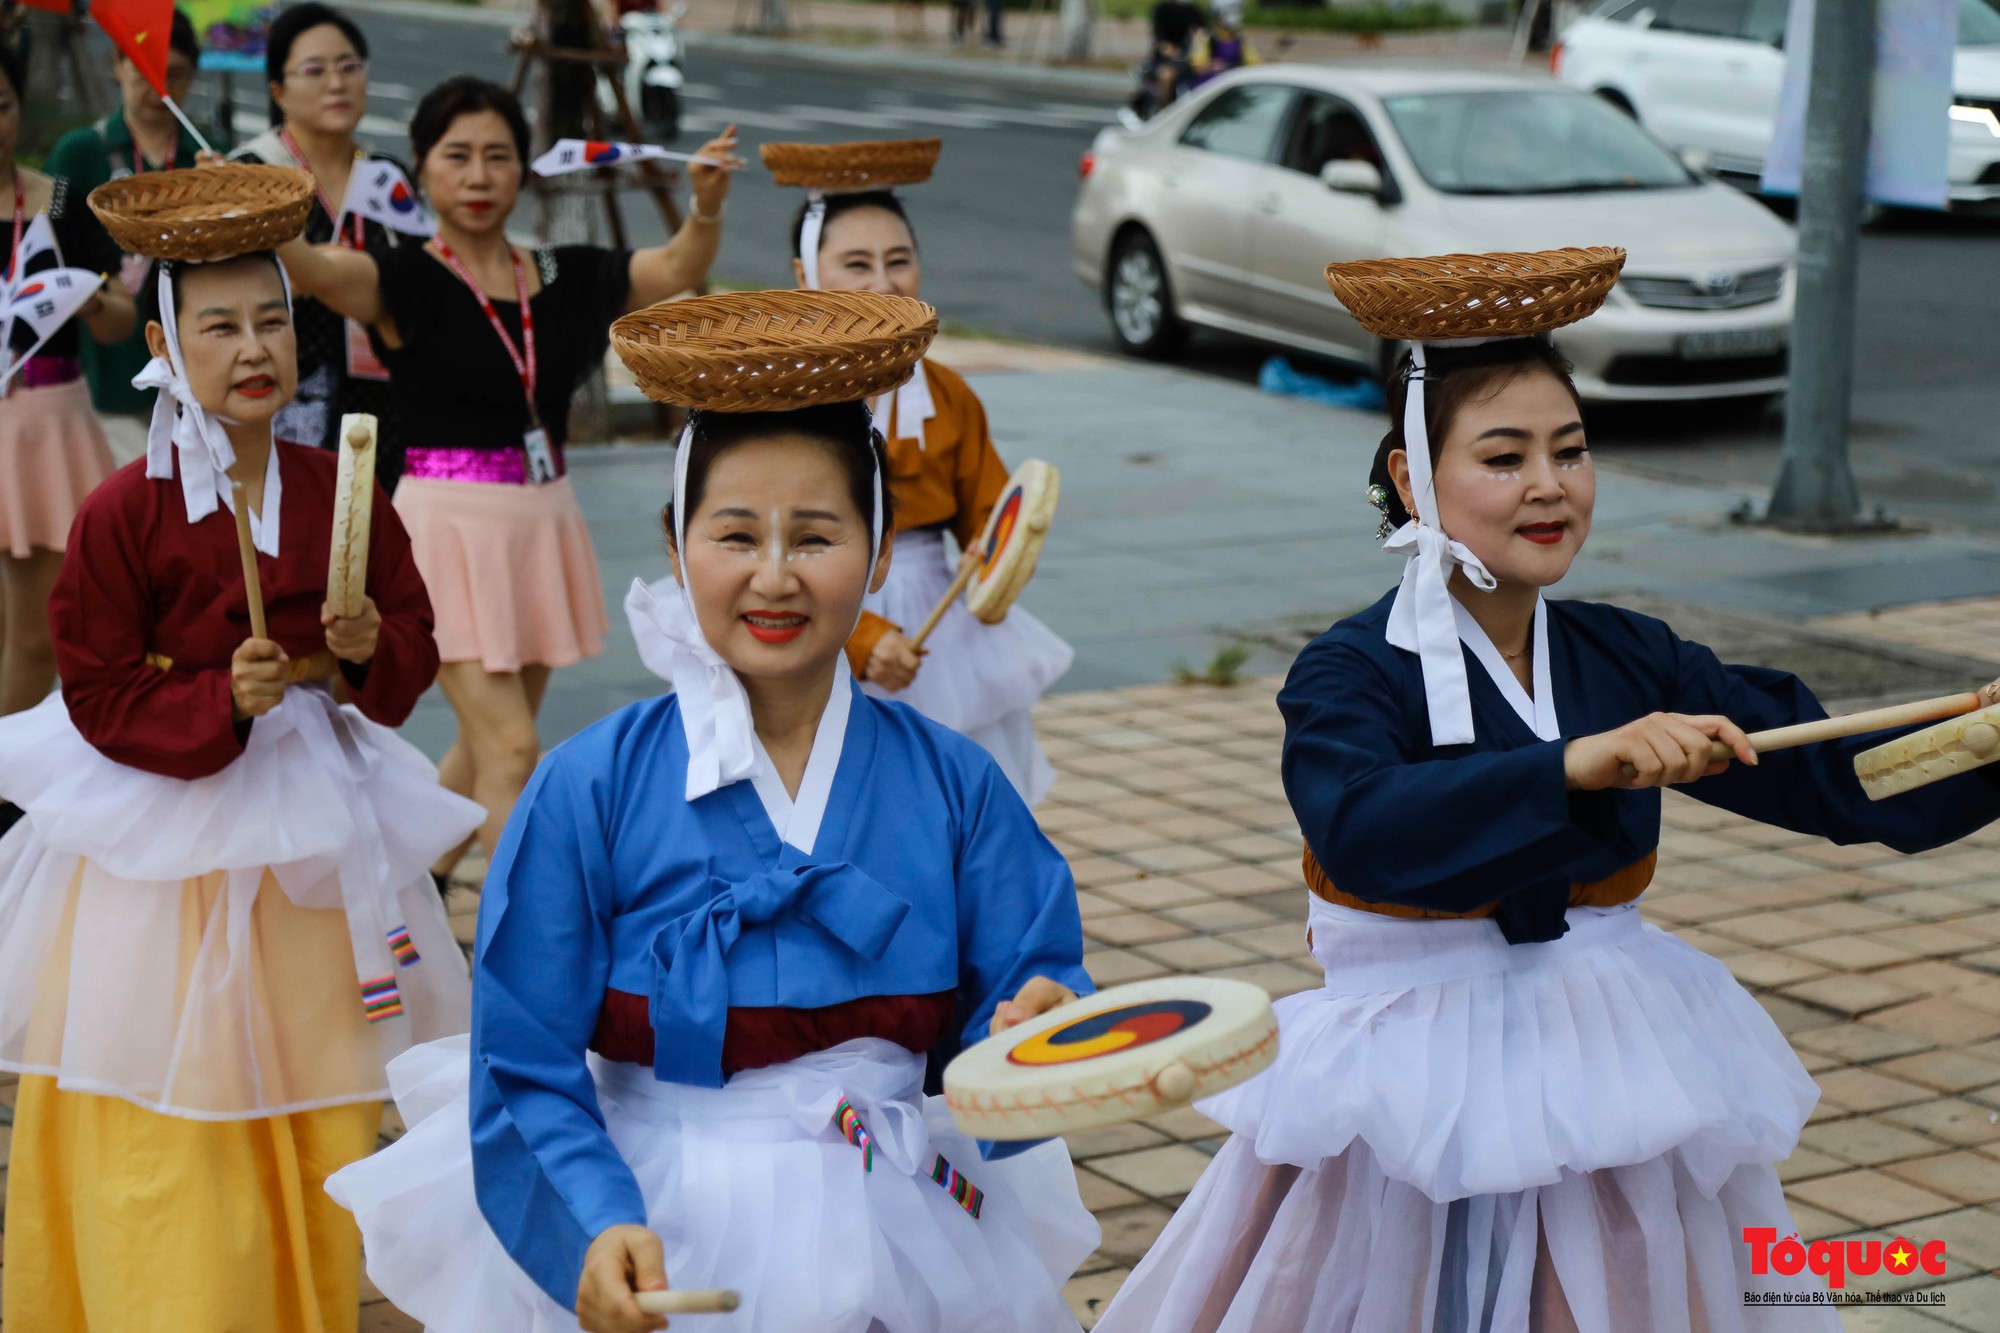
(982, 681)
(1460, 1135)
(253, 943)
(750, 1187)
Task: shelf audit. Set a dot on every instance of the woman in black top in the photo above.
(316, 60)
(485, 343)
(52, 450)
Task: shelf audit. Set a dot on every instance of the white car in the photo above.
(1225, 209)
(1704, 75)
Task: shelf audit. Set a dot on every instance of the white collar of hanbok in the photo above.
(263, 522)
(1539, 712)
(797, 818)
(182, 426)
(903, 413)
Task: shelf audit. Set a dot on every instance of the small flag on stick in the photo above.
(578, 154)
(381, 193)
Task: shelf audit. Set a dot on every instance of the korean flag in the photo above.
(381, 193)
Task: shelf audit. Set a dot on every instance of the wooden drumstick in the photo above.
(247, 545)
(713, 1300)
(1853, 724)
(966, 569)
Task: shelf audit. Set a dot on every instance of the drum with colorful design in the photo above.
(1123, 1054)
(1012, 540)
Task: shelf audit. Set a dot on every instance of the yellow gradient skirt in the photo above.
(122, 1220)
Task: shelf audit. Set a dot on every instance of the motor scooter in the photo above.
(653, 75)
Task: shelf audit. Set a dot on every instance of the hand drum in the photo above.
(1122, 1054)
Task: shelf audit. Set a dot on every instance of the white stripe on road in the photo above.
(866, 120)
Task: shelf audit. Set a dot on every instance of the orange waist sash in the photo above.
(1619, 887)
(298, 670)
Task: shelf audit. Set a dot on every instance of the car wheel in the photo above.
(1139, 299)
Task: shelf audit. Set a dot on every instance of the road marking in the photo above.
(395, 92)
(867, 120)
(251, 123)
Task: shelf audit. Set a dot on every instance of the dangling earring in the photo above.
(1378, 495)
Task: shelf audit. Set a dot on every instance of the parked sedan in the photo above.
(1705, 75)
(1224, 211)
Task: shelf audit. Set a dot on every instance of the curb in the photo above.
(789, 51)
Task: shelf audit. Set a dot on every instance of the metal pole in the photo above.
(1816, 487)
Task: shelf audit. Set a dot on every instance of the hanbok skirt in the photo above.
(983, 681)
(512, 576)
(751, 1186)
(52, 455)
(202, 983)
(253, 943)
(1462, 1136)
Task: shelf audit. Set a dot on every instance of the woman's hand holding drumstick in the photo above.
(1656, 751)
(1669, 748)
(624, 1285)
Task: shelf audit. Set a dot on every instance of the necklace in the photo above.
(1515, 657)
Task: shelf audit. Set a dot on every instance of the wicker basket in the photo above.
(873, 165)
(773, 351)
(1476, 296)
(205, 213)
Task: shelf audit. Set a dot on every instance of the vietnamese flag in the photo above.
(142, 30)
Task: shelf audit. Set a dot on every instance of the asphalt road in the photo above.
(994, 230)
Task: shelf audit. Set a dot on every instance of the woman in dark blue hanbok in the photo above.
(1513, 1105)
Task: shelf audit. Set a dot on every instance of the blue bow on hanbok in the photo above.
(690, 999)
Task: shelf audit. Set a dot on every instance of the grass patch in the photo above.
(1223, 670)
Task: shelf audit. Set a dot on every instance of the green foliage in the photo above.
(1224, 669)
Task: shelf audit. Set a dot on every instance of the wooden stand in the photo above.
(537, 46)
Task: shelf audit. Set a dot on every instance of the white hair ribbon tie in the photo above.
(715, 709)
(1421, 619)
(180, 424)
(809, 234)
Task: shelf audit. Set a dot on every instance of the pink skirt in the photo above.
(512, 577)
(52, 454)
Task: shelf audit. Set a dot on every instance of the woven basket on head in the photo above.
(205, 213)
(874, 165)
(1476, 296)
(773, 351)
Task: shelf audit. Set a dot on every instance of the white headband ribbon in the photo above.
(180, 423)
(1421, 619)
(715, 709)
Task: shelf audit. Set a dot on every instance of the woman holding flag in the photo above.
(52, 452)
(316, 63)
(486, 342)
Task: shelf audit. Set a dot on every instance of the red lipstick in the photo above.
(257, 386)
(1543, 534)
(774, 626)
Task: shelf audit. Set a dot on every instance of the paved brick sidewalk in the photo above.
(1883, 970)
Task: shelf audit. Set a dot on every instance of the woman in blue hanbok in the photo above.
(723, 932)
(1513, 1105)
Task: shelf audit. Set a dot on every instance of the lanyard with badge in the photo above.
(20, 225)
(535, 442)
(133, 270)
(362, 363)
